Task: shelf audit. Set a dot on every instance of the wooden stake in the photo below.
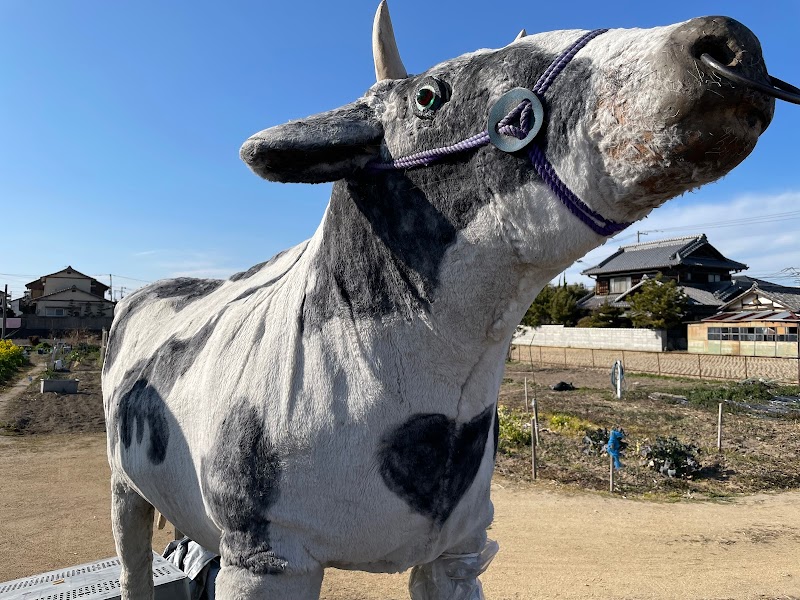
(610, 473)
(719, 429)
(534, 466)
(526, 395)
(536, 419)
(103, 344)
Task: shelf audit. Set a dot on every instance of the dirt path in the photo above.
(54, 512)
(18, 387)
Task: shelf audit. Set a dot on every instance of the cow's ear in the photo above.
(323, 147)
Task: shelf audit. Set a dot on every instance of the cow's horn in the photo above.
(521, 35)
(384, 47)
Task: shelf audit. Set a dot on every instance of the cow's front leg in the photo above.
(454, 575)
(132, 525)
(237, 583)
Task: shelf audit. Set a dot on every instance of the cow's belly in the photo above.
(328, 508)
(370, 527)
(172, 487)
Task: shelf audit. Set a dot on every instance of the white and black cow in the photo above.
(335, 405)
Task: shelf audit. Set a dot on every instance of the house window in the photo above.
(713, 277)
(54, 312)
(620, 284)
(713, 333)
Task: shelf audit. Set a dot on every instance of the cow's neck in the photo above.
(452, 268)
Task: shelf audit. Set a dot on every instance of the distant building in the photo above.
(66, 293)
(4, 300)
(763, 320)
(700, 270)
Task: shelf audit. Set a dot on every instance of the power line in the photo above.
(753, 220)
(123, 277)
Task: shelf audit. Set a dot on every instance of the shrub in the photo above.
(604, 316)
(84, 353)
(11, 359)
(595, 440)
(515, 429)
(658, 304)
(564, 423)
(745, 392)
(671, 458)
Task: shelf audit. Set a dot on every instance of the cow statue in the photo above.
(335, 406)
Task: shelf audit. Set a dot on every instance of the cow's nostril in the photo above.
(716, 47)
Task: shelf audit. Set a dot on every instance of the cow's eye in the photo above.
(426, 97)
(430, 95)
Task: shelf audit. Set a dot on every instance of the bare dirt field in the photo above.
(54, 512)
(557, 540)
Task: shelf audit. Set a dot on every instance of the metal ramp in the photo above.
(94, 581)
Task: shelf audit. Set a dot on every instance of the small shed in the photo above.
(747, 333)
(761, 321)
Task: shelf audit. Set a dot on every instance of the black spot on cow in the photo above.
(140, 408)
(177, 355)
(121, 320)
(250, 291)
(185, 289)
(256, 268)
(241, 478)
(144, 386)
(384, 240)
(569, 101)
(430, 461)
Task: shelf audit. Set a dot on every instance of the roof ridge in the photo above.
(656, 243)
(67, 290)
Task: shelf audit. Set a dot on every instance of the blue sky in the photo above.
(120, 125)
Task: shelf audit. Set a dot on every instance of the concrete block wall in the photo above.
(63, 324)
(593, 338)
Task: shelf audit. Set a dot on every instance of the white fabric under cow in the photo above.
(452, 576)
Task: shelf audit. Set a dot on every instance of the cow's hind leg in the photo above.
(236, 583)
(132, 525)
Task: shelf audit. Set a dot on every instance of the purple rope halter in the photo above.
(523, 113)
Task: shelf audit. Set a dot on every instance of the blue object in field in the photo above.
(614, 439)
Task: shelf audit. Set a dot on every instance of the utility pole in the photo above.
(111, 286)
(639, 235)
(5, 300)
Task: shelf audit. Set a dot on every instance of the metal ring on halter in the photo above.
(776, 88)
(501, 109)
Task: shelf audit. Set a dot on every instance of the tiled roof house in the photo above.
(701, 271)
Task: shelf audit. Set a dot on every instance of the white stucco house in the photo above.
(67, 293)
